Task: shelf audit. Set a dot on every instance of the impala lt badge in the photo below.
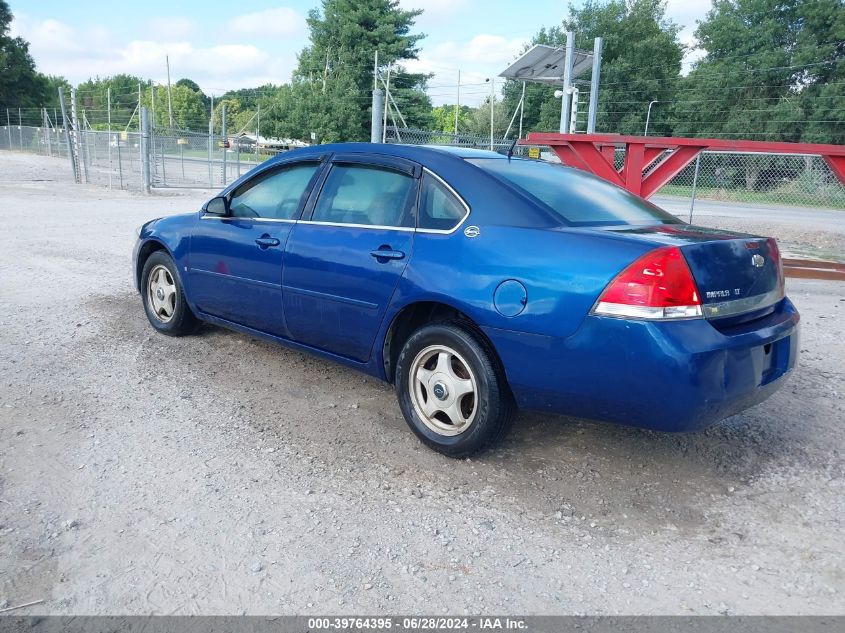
(757, 261)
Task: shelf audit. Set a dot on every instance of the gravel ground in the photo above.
(218, 474)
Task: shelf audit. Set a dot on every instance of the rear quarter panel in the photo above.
(562, 271)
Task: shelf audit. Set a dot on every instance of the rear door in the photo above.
(235, 268)
(345, 257)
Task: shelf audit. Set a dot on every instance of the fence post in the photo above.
(210, 144)
(378, 112)
(694, 185)
(20, 129)
(9, 128)
(225, 140)
(48, 129)
(66, 126)
(119, 163)
(145, 148)
(108, 114)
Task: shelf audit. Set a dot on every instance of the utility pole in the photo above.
(492, 109)
(378, 113)
(386, 107)
(521, 110)
(139, 106)
(377, 108)
(375, 71)
(169, 102)
(598, 43)
(458, 102)
(567, 82)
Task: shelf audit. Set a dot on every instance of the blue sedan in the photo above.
(478, 283)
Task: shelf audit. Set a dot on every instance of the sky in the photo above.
(229, 45)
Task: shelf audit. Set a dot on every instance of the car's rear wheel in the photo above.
(164, 299)
(452, 391)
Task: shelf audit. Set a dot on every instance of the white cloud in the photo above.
(686, 13)
(175, 28)
(79, 54)
(269, 23)
(478, 58)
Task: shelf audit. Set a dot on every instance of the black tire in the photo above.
(181, 320)
(493, 403)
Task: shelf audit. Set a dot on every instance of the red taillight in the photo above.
(774, 253)
(658, 285)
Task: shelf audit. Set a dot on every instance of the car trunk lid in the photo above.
(739, 277)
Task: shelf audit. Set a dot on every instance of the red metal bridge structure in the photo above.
(652, 161)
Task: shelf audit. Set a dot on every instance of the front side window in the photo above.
(274, 196)
(368, 195)
(439, 208)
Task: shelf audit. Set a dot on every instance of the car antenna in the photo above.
(510, 149)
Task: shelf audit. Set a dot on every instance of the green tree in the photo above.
(54, 82)
(641, 62)
(773, 70)
(188, 110)
(193, 85)
(92, 97)
(443, 118)
(331, 89)
(479, 122)
(21, 85)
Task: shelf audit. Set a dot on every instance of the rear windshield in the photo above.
(580, 199)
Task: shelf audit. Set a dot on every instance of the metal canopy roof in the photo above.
(544, 64)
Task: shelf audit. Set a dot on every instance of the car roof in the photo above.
(419, 153)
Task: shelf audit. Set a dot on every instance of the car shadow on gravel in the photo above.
(552, 463)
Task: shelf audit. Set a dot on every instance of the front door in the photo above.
(235, 269)
(342, 265)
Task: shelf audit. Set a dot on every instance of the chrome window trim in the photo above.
(212, 216)
(459, 199)
(739, 306)
(358, 226)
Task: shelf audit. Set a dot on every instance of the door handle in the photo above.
(385, 254)
(265, 241)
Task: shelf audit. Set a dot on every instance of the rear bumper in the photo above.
(671, 376)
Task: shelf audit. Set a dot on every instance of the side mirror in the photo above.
(217, 206)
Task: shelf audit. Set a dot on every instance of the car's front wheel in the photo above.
(452, 390)
(164, 299)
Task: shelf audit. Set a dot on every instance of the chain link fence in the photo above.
(759, 179)
(732, 177)
(411, 136)
(115, 159)
(200, 160)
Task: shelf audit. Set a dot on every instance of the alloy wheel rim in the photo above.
(444, 390)
(161, 293)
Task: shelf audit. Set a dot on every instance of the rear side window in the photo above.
(368, 195)
(578, 198)
(274, 196)
(439, 208)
